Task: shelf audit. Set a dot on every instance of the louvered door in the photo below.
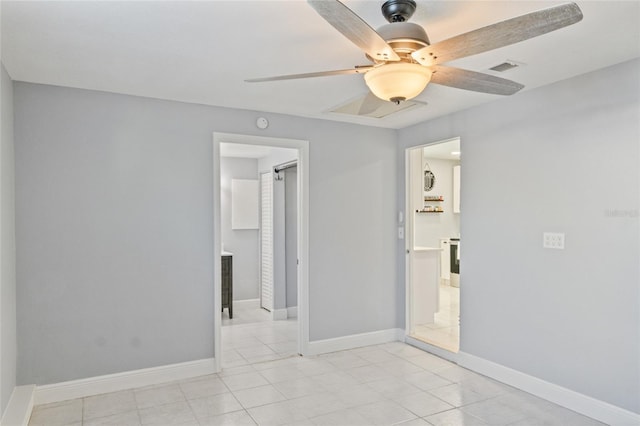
(266, 241)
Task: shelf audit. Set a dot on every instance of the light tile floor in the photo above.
(264, 383)
(444, 332)
(245, 312)
(251, 336)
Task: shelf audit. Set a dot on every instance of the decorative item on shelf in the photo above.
(429, 178)
(431, 209)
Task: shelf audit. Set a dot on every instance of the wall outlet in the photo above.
(553, 240)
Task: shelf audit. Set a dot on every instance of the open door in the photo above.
(266, 241)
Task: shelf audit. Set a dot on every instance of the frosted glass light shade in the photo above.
(397, 81)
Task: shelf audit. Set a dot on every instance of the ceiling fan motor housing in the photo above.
(404, 37)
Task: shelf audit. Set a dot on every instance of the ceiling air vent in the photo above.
(505, 66)
(370, 106)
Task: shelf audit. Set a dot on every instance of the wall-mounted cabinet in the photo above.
(244, 204)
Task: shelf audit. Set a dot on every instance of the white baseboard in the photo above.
(292, 312)
(583, 404)
(355, 341)
(121, 381)
(20, 405)
(279, 314)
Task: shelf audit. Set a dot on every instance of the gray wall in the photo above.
(351, 187)
(285, 292)
(7, 245)
(562, 158)
(243, 243)
(114, 229)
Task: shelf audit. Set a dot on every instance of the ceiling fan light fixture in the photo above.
(397, 81)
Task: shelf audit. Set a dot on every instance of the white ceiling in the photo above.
(201, 52)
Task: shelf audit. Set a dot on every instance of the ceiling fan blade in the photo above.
(359, 69)
(354, 28)
(500, 34)
(475, 81)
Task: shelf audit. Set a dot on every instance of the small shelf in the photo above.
(433, 198)
(431, 208)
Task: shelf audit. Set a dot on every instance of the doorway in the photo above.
(300, 147)
(433, 244)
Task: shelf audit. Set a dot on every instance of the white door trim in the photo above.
(408, 241)
(303, 232)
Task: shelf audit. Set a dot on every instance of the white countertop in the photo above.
(419, 248)
(226, 253)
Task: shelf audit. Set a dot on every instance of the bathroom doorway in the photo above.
(433, 244)
(269, 346)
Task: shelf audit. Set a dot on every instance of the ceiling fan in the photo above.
(404, 61)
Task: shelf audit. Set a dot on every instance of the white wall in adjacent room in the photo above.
(430, 227)
(243, 243)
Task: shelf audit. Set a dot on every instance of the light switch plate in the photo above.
(401, 233)
(553, 240)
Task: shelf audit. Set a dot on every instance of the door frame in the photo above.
(409, 226)
(302, 146)
(408, 241)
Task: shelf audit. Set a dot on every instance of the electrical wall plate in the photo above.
(553, 240)
(262, 123)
